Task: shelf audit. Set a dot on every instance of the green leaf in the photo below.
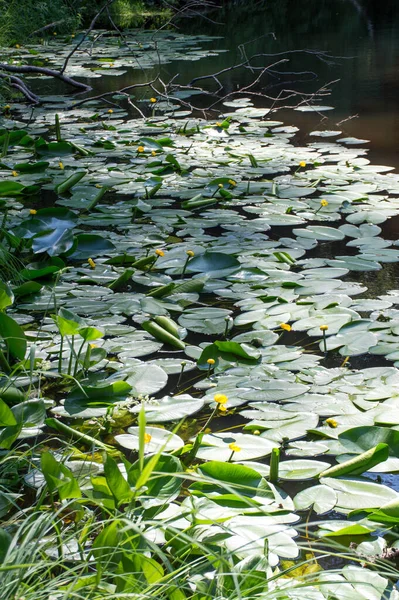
(159, 477)
(7, 417)
(89, 334)
(42, 269)
(11, 188)
(212, 261)
(116, 482)
(89, 245)
(26, 289)
(13, 336)
(67, 322)
(5, 542)
(360, 439)
(6, 295)
(356, 466)
(54, 148)
(59, 478)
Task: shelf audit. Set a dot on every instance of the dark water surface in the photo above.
(362, 35)
(365, 32)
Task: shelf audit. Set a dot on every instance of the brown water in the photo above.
(360, 36)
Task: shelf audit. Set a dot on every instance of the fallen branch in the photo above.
(45, 71)
(18, 84)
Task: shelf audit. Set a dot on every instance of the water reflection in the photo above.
(364, 32)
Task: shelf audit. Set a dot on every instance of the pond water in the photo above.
(362, 35)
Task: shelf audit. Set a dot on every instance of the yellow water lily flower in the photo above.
(15, 173)
(190, 253)
(61, 165)
(323, 327)
(220, 399)
(32, 211)
(91, 263)
(153, 153)
(232, 182)
(110, 111)
(7, 107)
(220, 185)
(234, 447)
(323, 202)
(332, 423)
(153, 100)
(140, 149)
(285, 326)
(210, 361)
(302, 163)
(159, 252)
(147, 438)
(222, 408)
(17, 46)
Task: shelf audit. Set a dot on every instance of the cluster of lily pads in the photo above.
(178, 292)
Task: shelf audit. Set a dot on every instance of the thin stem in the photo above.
(213, 413)
(77, 358)
(60, 354)
(4, 364)
(71, 344)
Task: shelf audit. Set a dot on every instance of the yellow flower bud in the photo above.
(54, 33)
(323, 327)
(98, 185)
(222, 408)
(285, 327)
(331, 423)
(323, 202)
(147, 438)
(218, 124)
(234, 447)
(220, 399)
(210, 361)
(32, 211)
(232, 182)
(153, 153)
(220, 185)
(140, 149)
(153, 100)
(7, 107)
(159, 252)
(302, 163)
(110, 111)
(17, 46)
(190, 253)
(14, 173)
(61, 165)
(91, 263)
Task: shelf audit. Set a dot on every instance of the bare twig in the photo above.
(106, 94)
(46, 27)
(93, 22)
